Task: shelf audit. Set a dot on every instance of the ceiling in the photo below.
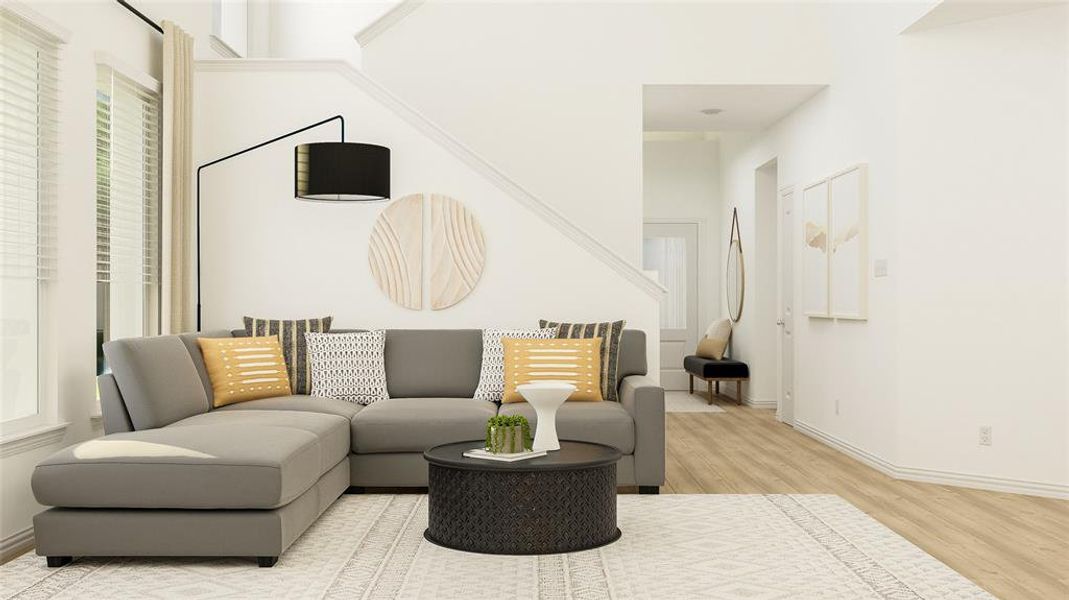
(744, 107)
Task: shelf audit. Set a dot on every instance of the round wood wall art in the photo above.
(456, 257)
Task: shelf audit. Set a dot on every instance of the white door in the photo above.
(671, 249)
(785, 406)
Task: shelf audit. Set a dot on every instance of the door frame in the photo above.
(783, 292)
(702, 293)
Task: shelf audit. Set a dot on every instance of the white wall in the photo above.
(552, 92)
(982, 253)
(967, 202)
(680, 181)
(99, 26)
(268, 254)
(844, 372)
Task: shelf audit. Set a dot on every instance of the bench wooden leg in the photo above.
(691, 383)
(709, 384)
(738, 391)
(718, 388)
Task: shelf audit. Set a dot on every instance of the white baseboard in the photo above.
(15, 544)
(953, 478)
(762, 403)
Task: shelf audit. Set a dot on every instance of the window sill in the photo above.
(37, 437)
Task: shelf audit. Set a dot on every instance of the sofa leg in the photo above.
(355, 489)
(58, 561)
(691, 383)
(649, 489)
(266, 562)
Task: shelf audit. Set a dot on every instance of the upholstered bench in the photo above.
(713, 371)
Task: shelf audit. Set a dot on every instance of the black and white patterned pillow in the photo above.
(492, 375)
(610, 332)
(290, 334)
(348, 366)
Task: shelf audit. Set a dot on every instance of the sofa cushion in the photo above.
(632, 354)
(711, 369)
(223, 466)
(330, 406)
(576, 362)
(157, 378)
(606, 423)
(291, 336)
(610, 333)
(243, 369)
(429, 363)
(348, 366)
(416, 424)
(332, 430)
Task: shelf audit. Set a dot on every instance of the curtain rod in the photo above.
(140, 15)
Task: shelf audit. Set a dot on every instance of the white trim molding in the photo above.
(62, 33)
(141, 78)
(222, 48)
(38, 437)
(388, 19)
(952, 478)
(762, 403)
(480, 165)
(16, 544)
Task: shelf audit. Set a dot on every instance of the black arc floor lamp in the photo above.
(323, 171)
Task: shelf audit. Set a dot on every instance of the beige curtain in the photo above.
(179, 298)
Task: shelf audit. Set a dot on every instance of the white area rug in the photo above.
(682, 402)
(689, 546)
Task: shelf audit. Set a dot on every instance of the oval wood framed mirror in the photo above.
(735, 284)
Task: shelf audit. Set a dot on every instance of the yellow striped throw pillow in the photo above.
(243, 369)
(577, 362)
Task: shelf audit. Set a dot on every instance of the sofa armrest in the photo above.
(644, 400)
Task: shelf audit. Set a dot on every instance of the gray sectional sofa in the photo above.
(175, 477)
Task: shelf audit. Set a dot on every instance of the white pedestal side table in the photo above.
(546, 397)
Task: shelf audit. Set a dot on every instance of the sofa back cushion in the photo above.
(632, 354)
(424, 363)
(446, 362)
(157, 378)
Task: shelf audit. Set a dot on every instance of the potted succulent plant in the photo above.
(508, 434)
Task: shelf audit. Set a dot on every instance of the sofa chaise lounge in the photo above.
(175, 477)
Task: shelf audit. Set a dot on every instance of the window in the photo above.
(28, 155)
(128, 208)
(668, 257)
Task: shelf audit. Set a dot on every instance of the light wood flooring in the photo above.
(1013, 546)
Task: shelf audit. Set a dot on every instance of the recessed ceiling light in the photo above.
(711, 111)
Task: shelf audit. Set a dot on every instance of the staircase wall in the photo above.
(266, 253)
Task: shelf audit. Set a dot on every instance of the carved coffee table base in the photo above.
(523, 511)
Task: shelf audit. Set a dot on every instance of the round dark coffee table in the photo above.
(562, 502)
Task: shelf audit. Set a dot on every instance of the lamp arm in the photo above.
(338, 118)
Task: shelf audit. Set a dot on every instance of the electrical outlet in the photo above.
(879, 267)
(985, 435)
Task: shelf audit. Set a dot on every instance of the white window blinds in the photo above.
(128, 182)
(29, 75)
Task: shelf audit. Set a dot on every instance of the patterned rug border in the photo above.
(371, 546)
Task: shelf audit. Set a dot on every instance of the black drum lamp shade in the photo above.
(342, 172)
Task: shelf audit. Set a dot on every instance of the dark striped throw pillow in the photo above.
(610, 334)
(294, 349)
